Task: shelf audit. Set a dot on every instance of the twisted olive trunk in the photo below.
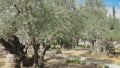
(39, 59)
(14, 47)
(14, 50)
(46, 47)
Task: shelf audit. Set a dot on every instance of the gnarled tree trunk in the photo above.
(15, 48)
(103, 46)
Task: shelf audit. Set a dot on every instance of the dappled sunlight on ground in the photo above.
(113, 59)
(73, 52)
(2, 62)
(55, 62)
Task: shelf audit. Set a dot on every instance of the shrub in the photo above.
(76, 61)
(106, 66)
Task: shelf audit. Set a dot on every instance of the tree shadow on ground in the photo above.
(104, 61)
(66, 65)
(2, 64)
(60, 62)
(54, 57)
(2, 55)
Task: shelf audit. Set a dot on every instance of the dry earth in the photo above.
(60, 63)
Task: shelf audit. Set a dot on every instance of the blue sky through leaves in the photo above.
(110, 3)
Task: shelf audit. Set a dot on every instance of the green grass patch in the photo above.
(76, 61)
(106, 66)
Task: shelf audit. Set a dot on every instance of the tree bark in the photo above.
(103, 46)
(14, 47)
(46, 47)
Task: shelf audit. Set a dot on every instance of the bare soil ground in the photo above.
(112, 58)
(2, 60)
(52, 62)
